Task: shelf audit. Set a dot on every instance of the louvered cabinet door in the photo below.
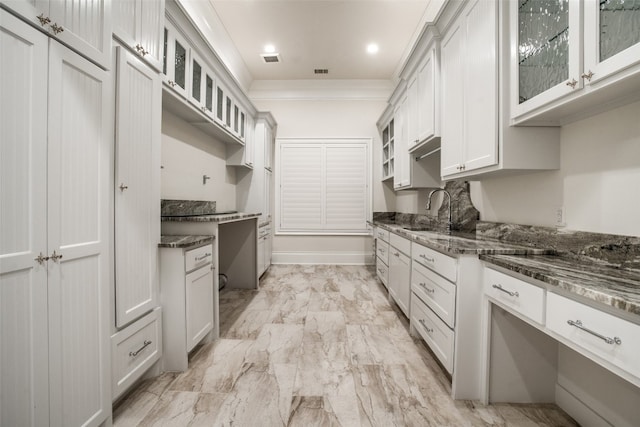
(23, 281)
(79, 162)
(137, 192)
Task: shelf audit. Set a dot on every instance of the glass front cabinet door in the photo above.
(547, 52)
(176, 59)
(611, 37)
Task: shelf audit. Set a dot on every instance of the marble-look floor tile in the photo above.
(277, 343)
(323, 369)
(372, 344)
(261, 397)
(325, 301)
(325, 326)
(135, 407)
(181, 408)
(323, 411)
(246, 325)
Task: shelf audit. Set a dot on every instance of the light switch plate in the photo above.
(559, 215)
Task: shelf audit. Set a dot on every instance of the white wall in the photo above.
(330, 119)
(598, 182)
(187, 155)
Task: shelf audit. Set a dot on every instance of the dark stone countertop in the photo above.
(460, 243)
(170, 241)
(211, 218)
(616, 287)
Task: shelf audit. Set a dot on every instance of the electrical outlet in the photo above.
(560, 221)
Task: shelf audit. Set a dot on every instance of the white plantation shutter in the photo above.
(323, 186)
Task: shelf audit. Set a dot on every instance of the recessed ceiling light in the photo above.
(372, 48)
(269, 48)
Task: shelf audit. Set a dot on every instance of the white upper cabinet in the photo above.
(83, 25)
(401, 176)
(202, 86)
(140, 24)
(571, 58)
(429, 96)
(137, 187)
(470, 106)
(176, 61)
(476, 137)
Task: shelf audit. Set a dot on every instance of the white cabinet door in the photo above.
(137, 189)
(452, 101)
(199, 304)
(140, 25)
(261, 255)
(79, 159)
(23, 281)
(611, 38)
(480, 148)
(402, 174)
(83, 25)
(268, 250)
(428, 96)
(400, 279)
(412, 112)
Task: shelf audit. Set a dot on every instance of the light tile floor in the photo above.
(315, 346)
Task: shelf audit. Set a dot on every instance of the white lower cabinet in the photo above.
(55, 140)
(264, 249)
(382, 255)
(400, 272)
(134, 350)
(187, 295)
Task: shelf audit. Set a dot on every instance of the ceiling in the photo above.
(331, 34)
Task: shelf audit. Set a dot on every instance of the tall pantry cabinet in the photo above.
(55, 154)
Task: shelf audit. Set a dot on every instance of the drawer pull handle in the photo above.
(424, 325)
(381, 271)
(397, 254)
(578, 324)
(425, 257)
(200, 258)
(424, 285)
(511, 294)
(382, 250)
(144, 345)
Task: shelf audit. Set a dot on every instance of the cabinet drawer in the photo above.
(437, 292)
(522, 297)
(442, 264)
(400, 243)
(134, 350)
(434, 332)
(382, 251)
(198, 257)
(561, 310)
(383, 271)
(382, 234)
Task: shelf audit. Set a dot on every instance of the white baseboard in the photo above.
(333, 258)
(579, 411)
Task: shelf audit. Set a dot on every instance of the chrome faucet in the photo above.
(449, 224)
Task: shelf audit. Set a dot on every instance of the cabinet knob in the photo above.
(572, 83)
(123, 187)
(41, 258)
(587, 75)
(56, 28)
(55, 256)
(44, 20)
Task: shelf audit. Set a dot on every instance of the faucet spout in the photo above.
(449, 224)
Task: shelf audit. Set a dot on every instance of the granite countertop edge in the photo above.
(180, 241)
(212, 218)
(460, 243)
(618, 288)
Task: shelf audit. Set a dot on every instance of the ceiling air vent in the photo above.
(270, 57)
(321, 71)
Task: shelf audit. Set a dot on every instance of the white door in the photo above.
(178, 66)
(401, 177)
(137, 187)
(427, 96)
(412, 112)
(79, 159)
(152, 31)
(403, 281)
(452, 101)
(199, 304)
(23, 214)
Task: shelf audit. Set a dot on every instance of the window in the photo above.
(323, 186)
